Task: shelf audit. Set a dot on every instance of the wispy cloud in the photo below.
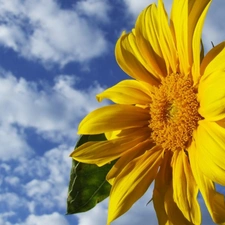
(47, 179)
(97, 9)
(36, 182)
(134, 7)
(52, 111)
(42, 188)
(41, 30)
(13, 141)
(50, 219)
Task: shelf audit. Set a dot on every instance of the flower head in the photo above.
(168, 122)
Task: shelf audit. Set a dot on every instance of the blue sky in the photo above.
(55, 56)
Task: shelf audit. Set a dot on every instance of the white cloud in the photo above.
(48, 219)
(41, 180)
(37, 188)
(11, 36)
(94, 8)
(97, 215)
(52, 111)
(13, 142)
(5, 167)
(3, 220)
(10, 200)
(47, 179)
(134, 7)
(7, 214)
(43, 188)
(12, 180)
(41, 30)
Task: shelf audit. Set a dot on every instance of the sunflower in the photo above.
(168, 122)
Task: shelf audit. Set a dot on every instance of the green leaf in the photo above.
(88, 185)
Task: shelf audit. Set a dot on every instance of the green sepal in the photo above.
(87, 185)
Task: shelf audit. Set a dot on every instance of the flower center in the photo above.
(174, 112)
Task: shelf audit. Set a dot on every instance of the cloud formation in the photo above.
(34, 180)
(48, 219)
(52, 111)
(41, 30)
(134, 7)
(97, 9)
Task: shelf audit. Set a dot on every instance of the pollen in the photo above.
(174, 112)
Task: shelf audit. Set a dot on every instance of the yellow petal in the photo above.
(211, 95)
(147, 33)
(211, 150)
(179, 22)
(185, 188)
(155, 40)
(102, 152)
(162, 183)
(175, 216)
(131, 61)
(166, 40)
(112, 134)
(134, 152)
(113, 117)
(197, 16)
(190, 5)
(133, 182)
(213, 61)
(127, 92)
(167, 211)
(128, 132)
(214, 200)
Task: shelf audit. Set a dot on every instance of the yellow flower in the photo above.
(168, 123)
